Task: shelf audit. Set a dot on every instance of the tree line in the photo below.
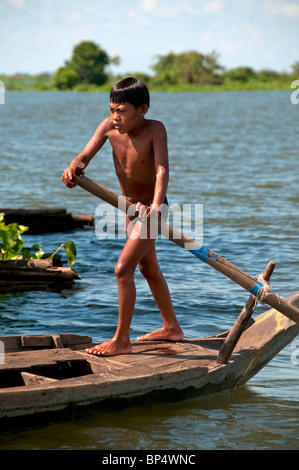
(89, 68)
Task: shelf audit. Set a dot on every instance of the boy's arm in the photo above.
(91, 148)
(161, 165)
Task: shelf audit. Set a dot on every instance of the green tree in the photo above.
(241, 74)
(295, 68)
(65, 77)
(187, 67)
(87, 65)
(165, 69)
(267, 75)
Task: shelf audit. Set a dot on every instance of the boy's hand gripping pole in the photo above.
(216, 261)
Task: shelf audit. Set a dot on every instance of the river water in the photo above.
(236, 154)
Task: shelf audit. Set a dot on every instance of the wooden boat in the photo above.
(35, 274)
(49, 378)
(46, 220)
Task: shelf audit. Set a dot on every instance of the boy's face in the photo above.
(125, 116)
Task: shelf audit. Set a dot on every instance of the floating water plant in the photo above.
(13, 247)
(70, 251)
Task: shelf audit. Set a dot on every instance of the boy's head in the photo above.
(130, 90)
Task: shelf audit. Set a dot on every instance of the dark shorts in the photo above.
(164, 208)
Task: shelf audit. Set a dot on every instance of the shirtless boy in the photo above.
(140, 158)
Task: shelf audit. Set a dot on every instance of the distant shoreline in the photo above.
(230, 86)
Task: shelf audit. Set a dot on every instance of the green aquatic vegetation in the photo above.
(13, 247)
(70, 251)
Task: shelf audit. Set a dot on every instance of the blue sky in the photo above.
(39, 35)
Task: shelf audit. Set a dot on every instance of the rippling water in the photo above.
(235, 153)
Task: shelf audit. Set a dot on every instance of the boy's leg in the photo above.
(171, 329)
(133, 251)
(138, 250)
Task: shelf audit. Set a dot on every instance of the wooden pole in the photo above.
(242, 320)
(216, 261)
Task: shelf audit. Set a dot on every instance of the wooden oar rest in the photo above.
(242, 320)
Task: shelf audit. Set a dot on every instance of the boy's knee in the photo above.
(122, 270)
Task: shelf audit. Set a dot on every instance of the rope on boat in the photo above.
(261, 289)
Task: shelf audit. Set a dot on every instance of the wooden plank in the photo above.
(22, 275)
(64, 340)
(33, 379)
(37, 341)
(22, 264)
(51, 274)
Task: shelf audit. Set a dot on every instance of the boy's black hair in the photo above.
(130, 90)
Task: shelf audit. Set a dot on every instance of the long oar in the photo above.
(200, 251)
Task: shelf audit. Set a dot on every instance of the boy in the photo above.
(140, 158)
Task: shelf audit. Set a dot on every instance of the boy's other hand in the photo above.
(142, 211)
(67, 178)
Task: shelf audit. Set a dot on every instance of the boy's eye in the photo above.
(119, 111)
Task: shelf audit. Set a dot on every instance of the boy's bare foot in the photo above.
(111, 348)
(163, 334)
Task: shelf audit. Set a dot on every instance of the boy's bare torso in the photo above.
(134, 162)
(139, 152)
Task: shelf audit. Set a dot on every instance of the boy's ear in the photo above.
(143, 109)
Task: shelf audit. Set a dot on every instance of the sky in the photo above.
(39, 35)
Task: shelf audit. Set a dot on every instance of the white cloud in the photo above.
(175, 9)
(213, 7)
(166, 11)
(74, 17)
(16, 3)
(148, 5)
(290, 10)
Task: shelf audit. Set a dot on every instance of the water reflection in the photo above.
(241, 419)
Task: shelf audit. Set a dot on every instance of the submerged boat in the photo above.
(50, 378)
(46, 220)
(19, 275)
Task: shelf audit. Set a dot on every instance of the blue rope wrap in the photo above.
(202, 253)
(257, 289)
